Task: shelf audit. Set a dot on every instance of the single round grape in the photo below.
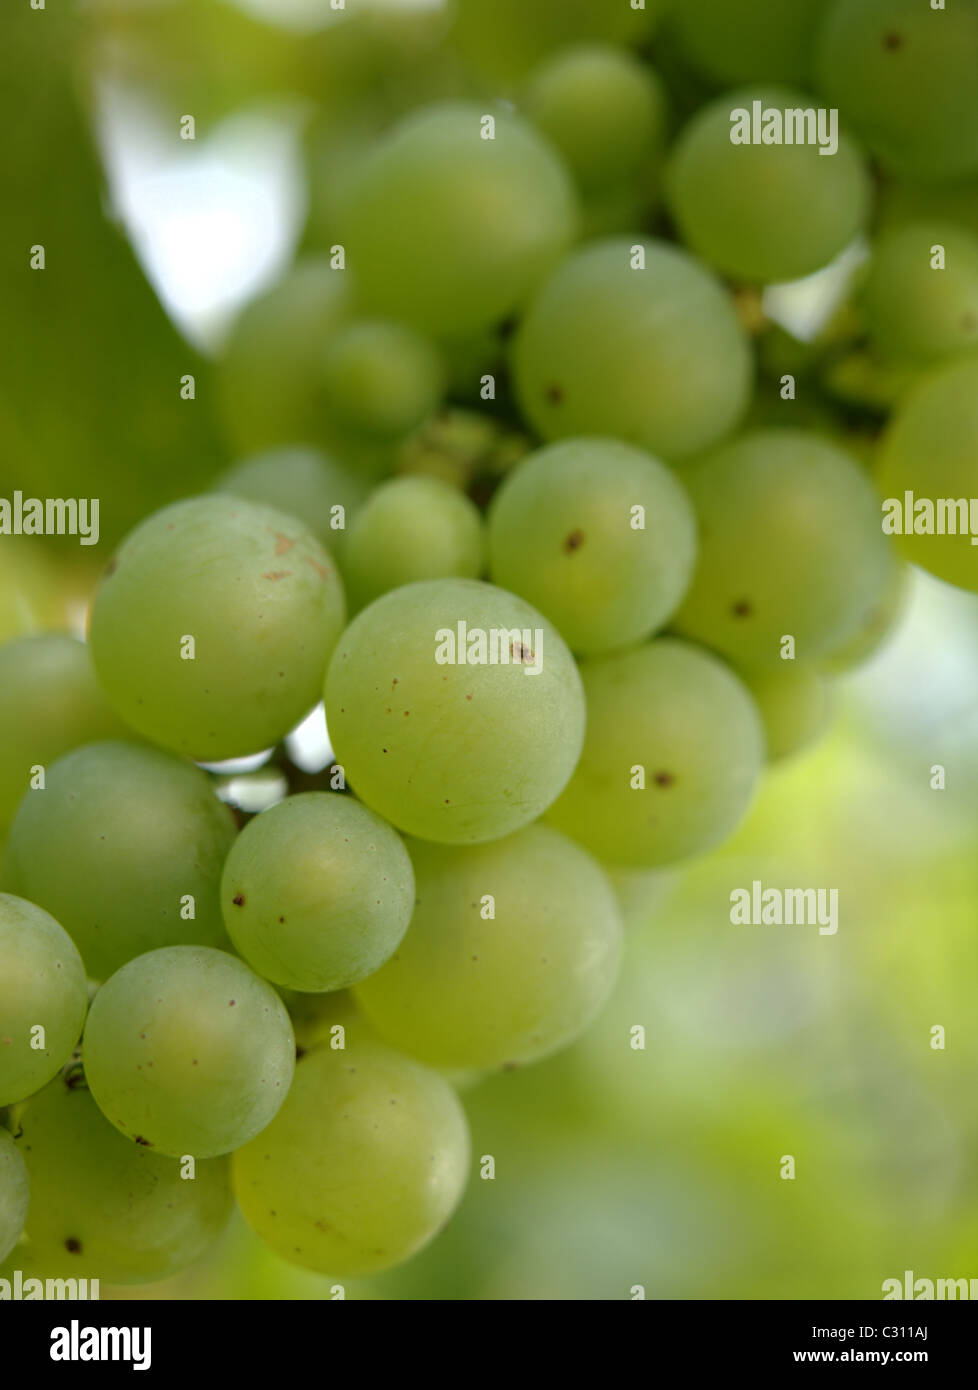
(212, 626)
(363, 1165)
(410, 529)
(42, 985)
(187, 1051)
(931, 451)
(501, 40)
(794, 703)
(512, 950)
(14, 1193)
(604, 110)
(449, 230)
(764, 213)
(914, 310)
(271, 388)
(317, 892)
(382, 379)
(450, 751)
(124, 846)
(791, 544)
(903, 74)
(736, 41)
(50, 702)
(673, 753)
(103, 1208)
(653, 356)
(599, 536)
(312, 486)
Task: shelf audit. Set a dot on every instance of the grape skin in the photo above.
(317, 892)
(42, 984)
(187, 1051)
(362, 1166)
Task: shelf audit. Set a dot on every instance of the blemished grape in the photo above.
(920, 294)
(410, 529)
(42, 986)
(50, 702)
(791, 545)
(501, 40)
(213, 624)
(450, 230)
(362, 1166)
(187, 1051)
(310, 485)
(795, 705)
(513, 948)
(317, 892)
(735, 41)
(602, 108)
(124, 846)
(446, 751)
(103, 1208)
(903, 75)
(382, 379)
(673, 753)
(599, 536)
(931, 451)
(14, 1193)
(764, 213)
(656, 356)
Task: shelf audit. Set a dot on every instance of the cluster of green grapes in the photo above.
(570, 538)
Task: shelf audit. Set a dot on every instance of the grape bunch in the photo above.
(555, 534)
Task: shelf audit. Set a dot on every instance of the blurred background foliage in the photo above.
(614, 1167)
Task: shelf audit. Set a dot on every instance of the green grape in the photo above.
(187, 1051)
(324, 494)
(903, 74)
(42, 985)
(362, 1166)
(914, 310)
(501, 40)
(50, 703)
(317, 892)
(103, 1208)
(602, 108)
(599, 536)
(794, 704)
(791, 545)
(736, 41)
(450, 751)
(124, 846)
(654, 356)
(673, 752)
(412, 528)
(14, 1193)
(382, 379)
(512, 950)
(931, 452)
(877, 625)
(450, 231)
(764, 213)
(271, 389)
(262, 602)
